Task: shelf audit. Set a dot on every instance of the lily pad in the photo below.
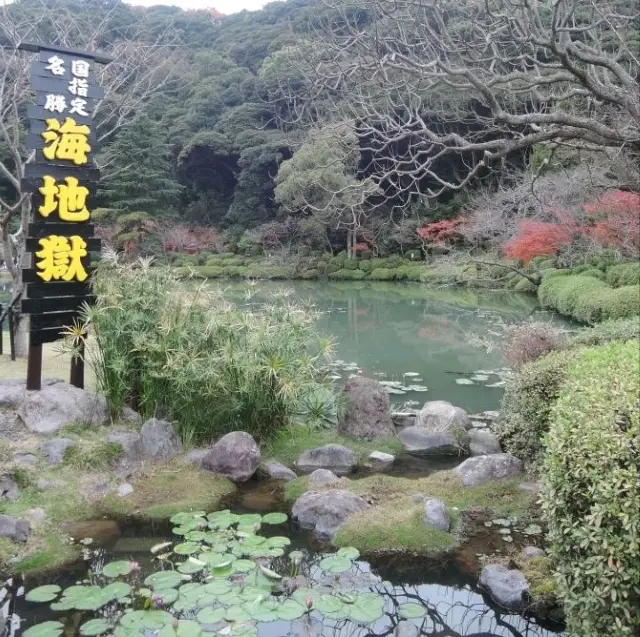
(43, 593)
(186, 628)
(274, 518)
(146, 619)
(46, 629)
(164, 579)
(237, 613)
(265, 611)
(116, 569)
(187, 548)
(349, 552)
(335, 564)
(290, 610)
(411, 610)
(190, 567)
(117, 590)
(243, 566)
(218, 587)
(94, 627)
(165, 596)
(367, 609)
(328, 604)
(211, 616)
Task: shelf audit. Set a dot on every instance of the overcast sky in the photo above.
(224, 6)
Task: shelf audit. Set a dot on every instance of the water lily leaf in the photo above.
(116, 569)
(149, 619)
(328, 604)
(249, 528)
(143, 592)
(277, 552)
(275, 518)
(117, 590)
(62, 606)
(165, 596)
(269, 573)
(253, 593)
(211, 616)
(188, 527)
(279, 541)
(186, 628)
(237, 613)
(290, 610)
(181, 518)
(190, 567)
(187, 548)
(164, 579)
(243, 566)
(190, 587)
(46, 629)
(218, 587)
(349, 553)
(247, 519)
(94, 627)
(367, 609)
(335, 564)
(264, 611)
(411, 610)
(43, 593)
(302, 594)
(196, 536)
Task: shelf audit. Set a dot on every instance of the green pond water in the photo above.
(428, 344)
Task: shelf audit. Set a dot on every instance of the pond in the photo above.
(425, 344)
(395, 597)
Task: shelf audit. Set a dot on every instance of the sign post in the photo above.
(62, 178)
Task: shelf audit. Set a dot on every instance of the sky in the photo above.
(224, 6)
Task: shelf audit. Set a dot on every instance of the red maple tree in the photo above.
(537, 238)
(441, 232)
(616, 219)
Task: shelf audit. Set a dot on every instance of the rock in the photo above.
(36, 516)
(481, 469)
(420, 442)
(366, 413)
(323, 478)
(45, 485)
(507, 588)
(336, 458)
(325, 511)
(59, 405)
(236, 456)
(11, 394)
(196, 456)
(131, 443)
(381, 461)
(406, 629)
(435, 514)
(124, 490)
(483, 443)
(277, 471)
(8, 488)
(25, 459)
(529, 552)
(159, 440)
(491, 416)
(55, 449)
(130, 416)
(17, 529)
(403, 419)
(441, 416)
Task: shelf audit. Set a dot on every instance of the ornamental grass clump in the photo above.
(179, 350)
(591, 493)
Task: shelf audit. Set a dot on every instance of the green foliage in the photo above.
(612, 330)
(591, 494)
(348, 275)
(366, 266)
(383, 274)
(526, 407)
(350, 264)
(95, 455)
(623, 274)
(206, 364)
(525, 285)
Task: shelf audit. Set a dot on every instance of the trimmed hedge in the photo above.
(383, 274)
(366, 266)
(623, 274)
(348, 275)
(524, 285)
(591, 491)
(613, 330)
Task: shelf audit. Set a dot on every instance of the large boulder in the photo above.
(277, 471)
(366, 413)
(11, 393)
(435, 514)
(322, 478)
(159, 440)
(483, 443)
(131, 443)
(59, 405)
(325, 511)
(381, 461)
(481, 469)
(55, 449)
(336, 458)
(9, 489)
(441, 416)
(508, 588)
(421, 442)
(16, 529)
(236, 456)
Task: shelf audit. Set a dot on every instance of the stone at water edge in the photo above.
(323, 478)
(367, 414)
(159, 440)
(8, 488)
(130, 416)
(325, 511)
(436, 514)
(131, 443)
(17, 529)
(60, 405)
(403, 419)
(336, 458)
(420, 442)
(529, 552)
(196, 456)
(483, 443)
(381, 461)
(481, 469)
(236, 456)
(507, 588)
(277, 471)
(439, 415)
(55, 449)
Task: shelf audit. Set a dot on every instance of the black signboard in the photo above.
(62, 180)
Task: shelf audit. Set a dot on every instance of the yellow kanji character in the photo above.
(60, 258)
(69, 200)
(66, 141)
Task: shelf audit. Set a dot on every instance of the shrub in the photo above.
(441, 275)
(594, 272)
(348, 275)
(309, 274)
(612, 330)
(204, 271)
(623, 274)
(383, 274)
(578, 296)
(214, 261)
(322, 266)
(232, 270)
(366, 266)
(526, 407)
(529, 341)
(525, 285)
(350, 264)
(185, 352)
(620, 303)
(591, 492)
(409, 272)
(276, 272)
(553, 272)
